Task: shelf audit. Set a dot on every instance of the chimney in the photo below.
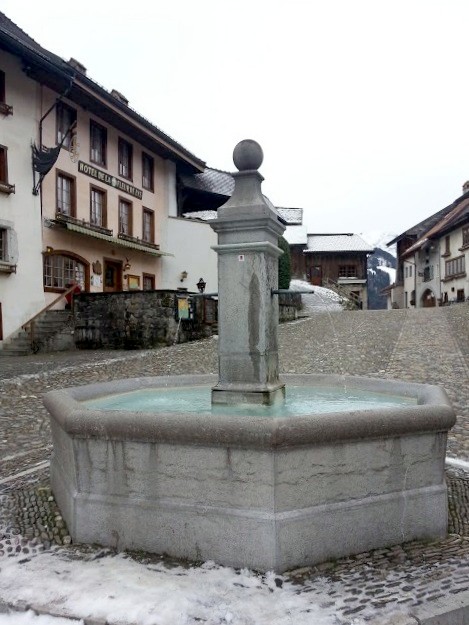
(77, 65)
(465, 187)
(119, 96)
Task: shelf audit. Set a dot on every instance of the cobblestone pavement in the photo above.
(429, 345)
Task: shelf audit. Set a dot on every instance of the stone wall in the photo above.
(289, 304)
(135, 320)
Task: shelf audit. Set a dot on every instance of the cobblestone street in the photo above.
(425, 345)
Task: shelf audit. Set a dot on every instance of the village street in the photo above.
(425, 345)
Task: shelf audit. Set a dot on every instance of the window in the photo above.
(3, 165)
(147, 171)
(410, 271)
(3, 245)
(465, 235)
(428, 273)
(66, 119)
(447, 246)
(125, 159)
(148, 282)
(406, 271)
(2, 87)
(347, 271)
(98, 143)
(5, 109)
(97, 207)
(125, 217)
(148, 229)
(60, 271)
(455, 267)
(65, 203)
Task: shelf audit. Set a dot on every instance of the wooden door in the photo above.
(112, 276)
(316, 275)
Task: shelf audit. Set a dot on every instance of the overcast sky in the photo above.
(361, 106)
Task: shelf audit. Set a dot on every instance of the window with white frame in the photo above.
(97, 207)
(98, 144)
(125, 217)
(465, 235)
(125, 159)
(455, 267)
(148, 226)
(66, 120)
(147, 171)
(60, 271)
(3, 244)
(65, 198)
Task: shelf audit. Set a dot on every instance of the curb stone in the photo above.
(445, 611)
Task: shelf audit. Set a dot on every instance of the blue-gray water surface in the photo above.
(300, 400)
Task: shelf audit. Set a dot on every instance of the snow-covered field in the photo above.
(121, 590)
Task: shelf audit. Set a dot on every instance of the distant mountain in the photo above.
(379, 239)
(381, 273)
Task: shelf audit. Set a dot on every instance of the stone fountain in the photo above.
(252, 478)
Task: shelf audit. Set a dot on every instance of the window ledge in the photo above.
(463, 247)
(454, 276)
(6, 267)
(128, 237)
(7, 188)
(6, 109)
(60, 217)
(445, 254)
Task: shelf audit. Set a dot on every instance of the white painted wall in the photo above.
(190, 241)
(456, 250)
(21, 294)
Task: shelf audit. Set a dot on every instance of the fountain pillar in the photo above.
(248, 227)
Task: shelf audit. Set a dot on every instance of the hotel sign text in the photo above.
(112, 181)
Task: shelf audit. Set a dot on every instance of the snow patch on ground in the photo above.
(122, 590)
(320, 300)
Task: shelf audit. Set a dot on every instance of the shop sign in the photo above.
(112, 181)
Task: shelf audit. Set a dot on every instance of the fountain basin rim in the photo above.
(433, 412)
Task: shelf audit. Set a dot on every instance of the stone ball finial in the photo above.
(248, 154)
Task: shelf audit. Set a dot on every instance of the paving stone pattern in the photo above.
(429, 345)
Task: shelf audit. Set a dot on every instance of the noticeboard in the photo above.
(183, 308)
(210, 310)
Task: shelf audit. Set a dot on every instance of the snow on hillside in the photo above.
(377, 238)
(390, 271)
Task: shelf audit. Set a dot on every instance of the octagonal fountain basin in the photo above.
(148, 464)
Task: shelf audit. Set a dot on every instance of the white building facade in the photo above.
(21, 292)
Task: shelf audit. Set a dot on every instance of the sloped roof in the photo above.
(62, 76)
(337, 243)
(424, 226)
(458, 214)
(221, 182)
(207, 215)
(210, 181)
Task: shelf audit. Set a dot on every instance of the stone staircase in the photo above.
(52, 331)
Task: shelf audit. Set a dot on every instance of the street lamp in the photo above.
(201, 284)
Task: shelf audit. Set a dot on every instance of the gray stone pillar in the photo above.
(248, 228)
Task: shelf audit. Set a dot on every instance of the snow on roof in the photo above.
(293, 216)
(296, 235)
(203, 215)
(337, 243)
